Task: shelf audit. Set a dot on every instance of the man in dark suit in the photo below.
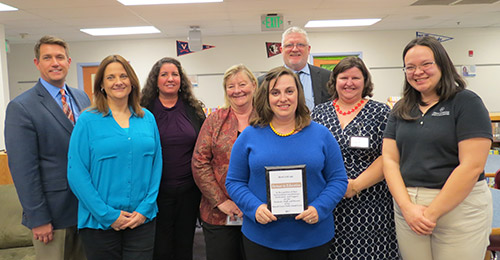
(295, 49)
(38, 126)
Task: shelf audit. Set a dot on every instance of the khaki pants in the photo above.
(66, 245)
(462, 233)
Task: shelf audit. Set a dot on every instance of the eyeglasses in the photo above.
(291, 45)
(425, 66)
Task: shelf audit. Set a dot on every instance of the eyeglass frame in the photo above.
(425, 66)
(298, 45)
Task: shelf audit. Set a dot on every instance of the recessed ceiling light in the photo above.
(341, 23)
(4, 7)
(165, 2)
(120, 30)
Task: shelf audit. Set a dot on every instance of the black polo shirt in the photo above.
(428, 146)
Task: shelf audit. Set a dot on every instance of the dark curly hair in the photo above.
(150, 91)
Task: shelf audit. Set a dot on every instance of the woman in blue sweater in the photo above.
(282, 134)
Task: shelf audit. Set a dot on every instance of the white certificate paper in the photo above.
(286, 189)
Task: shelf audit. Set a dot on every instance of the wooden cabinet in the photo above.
(5, 177)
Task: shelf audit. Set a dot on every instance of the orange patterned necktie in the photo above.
(66, 109)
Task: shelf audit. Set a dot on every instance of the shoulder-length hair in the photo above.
(264, 113)
(345, 64)
(233, 70)
(151, 91)
(450, 83)
(100, 96)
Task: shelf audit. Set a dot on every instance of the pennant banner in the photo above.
(273, 48)
(440, 38)
(183, 48)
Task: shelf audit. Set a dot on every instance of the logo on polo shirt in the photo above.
(441, 112)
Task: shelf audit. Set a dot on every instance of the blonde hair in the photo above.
(233, 70)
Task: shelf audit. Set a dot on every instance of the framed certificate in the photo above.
(286, 190)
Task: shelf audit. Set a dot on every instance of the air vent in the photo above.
(453, 2)
(434, 2)
(473, 2)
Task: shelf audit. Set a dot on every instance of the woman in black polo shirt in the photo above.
(435, 146)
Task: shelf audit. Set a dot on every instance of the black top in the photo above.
(428, 146)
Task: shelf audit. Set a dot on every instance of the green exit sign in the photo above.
(271, 22)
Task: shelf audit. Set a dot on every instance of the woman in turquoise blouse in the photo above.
(114, 167)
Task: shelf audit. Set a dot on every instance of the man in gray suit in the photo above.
(295, 49)
(37, 134)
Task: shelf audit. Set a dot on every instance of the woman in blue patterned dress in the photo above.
(364, 218)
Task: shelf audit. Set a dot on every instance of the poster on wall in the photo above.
(330, 60)
(468, 70)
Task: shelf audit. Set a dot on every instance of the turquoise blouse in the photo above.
(110, 169)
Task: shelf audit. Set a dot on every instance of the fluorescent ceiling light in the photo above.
(4, 7)
(165, 2)
(120, 30)
(341, 23)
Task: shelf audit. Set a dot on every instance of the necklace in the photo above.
(337, 107)
(280, 134)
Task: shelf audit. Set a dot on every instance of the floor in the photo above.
(199, 245)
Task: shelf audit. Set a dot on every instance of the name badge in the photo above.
(360, 142)
(237, 222)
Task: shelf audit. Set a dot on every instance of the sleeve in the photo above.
(472, 117)
(335, 177)
(23, 152)
(79, 165)
(201, 163)
(148, 207)
(238, 176)
(382, 124)
(315, 114)
(390, 128)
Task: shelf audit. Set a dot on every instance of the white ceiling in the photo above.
(64, 18)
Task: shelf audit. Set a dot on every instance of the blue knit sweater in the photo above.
(313, 146)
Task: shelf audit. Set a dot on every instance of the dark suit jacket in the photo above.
(37, 134)
(319, 78)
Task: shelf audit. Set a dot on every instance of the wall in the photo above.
(381, 50)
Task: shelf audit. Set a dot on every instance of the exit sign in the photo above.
(271, 22)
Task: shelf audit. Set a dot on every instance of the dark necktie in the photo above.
(298, 73)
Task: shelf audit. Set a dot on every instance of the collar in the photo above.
(53, 90)
(305, 70)
(133, 114)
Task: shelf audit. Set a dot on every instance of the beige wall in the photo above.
(381, 52)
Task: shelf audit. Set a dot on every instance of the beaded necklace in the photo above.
(337, 107)
(280, 134)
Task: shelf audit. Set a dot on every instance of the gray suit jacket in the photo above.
(319, 78)
(37, 136)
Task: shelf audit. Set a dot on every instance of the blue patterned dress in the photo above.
(364, 225)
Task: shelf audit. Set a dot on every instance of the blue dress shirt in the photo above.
(56, 95)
